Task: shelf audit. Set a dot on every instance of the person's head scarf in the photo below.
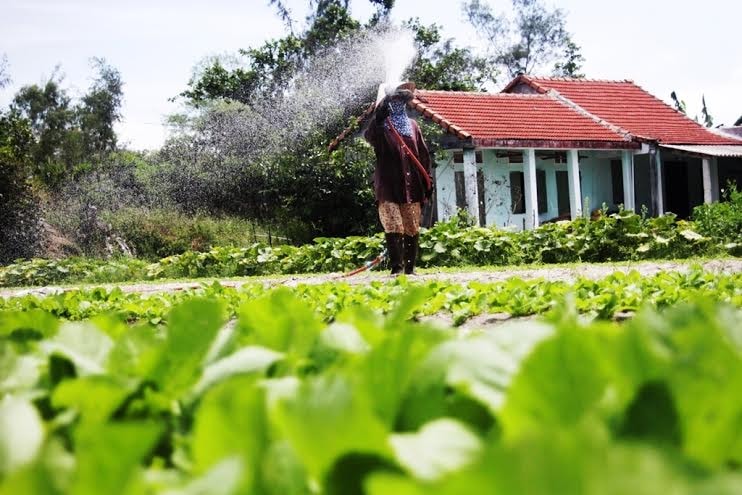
(398, 117)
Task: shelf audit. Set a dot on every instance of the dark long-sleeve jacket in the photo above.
(396, 178)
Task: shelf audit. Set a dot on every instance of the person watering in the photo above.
(402, 181)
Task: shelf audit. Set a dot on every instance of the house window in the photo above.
(543, 203)
(617, 181)
(458, 156)
(517, 192)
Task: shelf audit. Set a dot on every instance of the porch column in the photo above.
(470, 183)
(529, 183)
(706, 174)
(715, 189)
(627, 163)
(573, 177)
(660, 185)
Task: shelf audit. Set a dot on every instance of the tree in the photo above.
(68, 135)
(268, 69)
(49, 111)
(319, 7)
(441, 65)
(708, 120)
(100, 108)
(571, 64)
(529, 42)
(19, 211)
(4, 74)
(679, 104)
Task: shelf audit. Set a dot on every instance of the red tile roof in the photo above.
(628, 106)
(511, 119)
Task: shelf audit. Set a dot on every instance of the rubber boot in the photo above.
(410, 253)
(394, 246)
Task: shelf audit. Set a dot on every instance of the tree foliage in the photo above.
(19, 232)
(69, 135)
(4, 74)
(443, 65)
(571, 63)
(530, 41)
(265, 71)
(100, 109)
(706, 118)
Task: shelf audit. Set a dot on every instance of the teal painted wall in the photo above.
(595, 171)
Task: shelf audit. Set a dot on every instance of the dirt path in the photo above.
(559, 273)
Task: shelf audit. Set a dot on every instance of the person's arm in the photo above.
(377, 121)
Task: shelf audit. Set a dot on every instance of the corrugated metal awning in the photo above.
(708, 149)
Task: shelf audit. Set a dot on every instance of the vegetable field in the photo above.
(334, 388)
(624, 236)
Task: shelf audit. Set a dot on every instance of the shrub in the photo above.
(155, 234)
(722, 220)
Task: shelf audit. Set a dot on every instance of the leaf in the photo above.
(481, 367)
(109, 455)
(382, 483)
(440, 447)
(282, 471)
(691, 235)
(251, 359)
(84, 345)
(21, 433)
(94, 397)
(386, 372)
(705, 376)
(222, 479)
(137, 352)
(18, 373)
(192, 329)
(580, 460)
(37, 320)
(231, 422)
(280, 321)
(344, 337)
(557, 383)
(325, 419)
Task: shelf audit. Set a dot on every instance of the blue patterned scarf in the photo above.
(399, 118)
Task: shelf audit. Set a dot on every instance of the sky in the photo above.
(692, 48)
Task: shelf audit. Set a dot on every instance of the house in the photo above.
(550, 148)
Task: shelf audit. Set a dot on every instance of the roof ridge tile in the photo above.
(581, 79)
